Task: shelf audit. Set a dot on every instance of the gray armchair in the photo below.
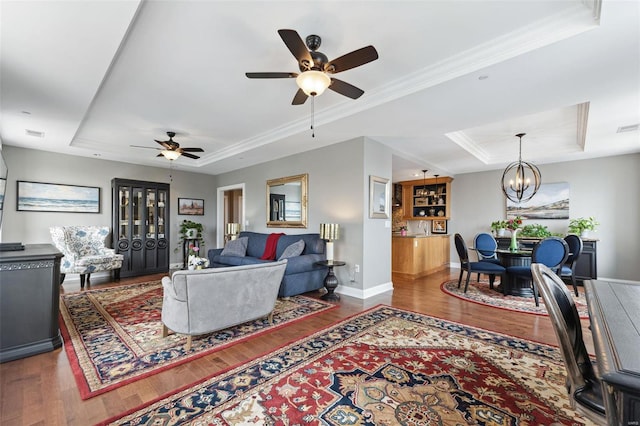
(202, 301)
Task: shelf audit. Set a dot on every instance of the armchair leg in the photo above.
(116, 274)
(187, 346)
(271, 318)
(82, 279)
(62, 276)
(165, 331)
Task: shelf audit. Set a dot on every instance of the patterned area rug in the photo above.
(479, 292)
(385, 366)
(114, 336)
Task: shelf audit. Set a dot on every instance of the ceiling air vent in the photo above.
(34, 133)
(630, 128)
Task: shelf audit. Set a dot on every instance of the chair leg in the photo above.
(62, 276)
(466, 285)
(478, 277)
(535, 292)
(460, 277)
(82, 278)
(575, 284)
(492, 278)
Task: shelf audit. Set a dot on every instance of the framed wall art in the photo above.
(56, 197)
(379, 197)
(191, 206)
(438, 226)
(550, 202)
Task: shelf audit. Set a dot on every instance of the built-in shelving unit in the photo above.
(427, 199)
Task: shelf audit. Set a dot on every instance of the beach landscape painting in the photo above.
(54, 197)
(550, 202)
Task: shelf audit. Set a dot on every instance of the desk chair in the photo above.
(568, 270)
(488, 268)
(486, 246)
(551, 252)
(583, 386)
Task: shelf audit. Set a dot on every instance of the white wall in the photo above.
(43, 166)
(607, 188)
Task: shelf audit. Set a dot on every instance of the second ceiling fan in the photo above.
(315, 67)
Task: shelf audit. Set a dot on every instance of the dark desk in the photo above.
(614, 312)
(511, 285)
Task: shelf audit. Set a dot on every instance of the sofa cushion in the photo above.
(237, 247)
(293, 250)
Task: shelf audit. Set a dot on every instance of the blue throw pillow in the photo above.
(237, 247)
(293, 250)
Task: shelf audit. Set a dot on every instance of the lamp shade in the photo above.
(329, 231)
(313, 83)
(233, 228)
(170, 155)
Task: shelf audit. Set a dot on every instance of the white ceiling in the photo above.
(455, 81)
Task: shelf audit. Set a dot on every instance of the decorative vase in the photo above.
(514, 242)
(501, 232)
(584, 233)
(403, 232)
(192, 267)
(199, 267)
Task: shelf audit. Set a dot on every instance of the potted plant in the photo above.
(190, 230)
(499, 227)
(582, 226)
(403, 230)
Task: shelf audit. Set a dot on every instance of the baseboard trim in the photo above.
(365, 294)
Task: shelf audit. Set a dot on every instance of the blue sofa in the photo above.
(300, 276)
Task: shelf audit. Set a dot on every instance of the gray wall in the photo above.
(338, 193)
(607, 188)
(48, 167)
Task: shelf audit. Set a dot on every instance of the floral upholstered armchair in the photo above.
(85, 251)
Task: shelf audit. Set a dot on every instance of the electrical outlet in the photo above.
(356, 268)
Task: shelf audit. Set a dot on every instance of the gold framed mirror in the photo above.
(287, 202)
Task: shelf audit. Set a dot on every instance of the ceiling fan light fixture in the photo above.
(313, 82)
(170, 155)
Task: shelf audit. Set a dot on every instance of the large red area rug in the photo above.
(479, 292)
(385, 366)
(113, 336)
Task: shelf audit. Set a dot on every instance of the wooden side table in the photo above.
(331, 281)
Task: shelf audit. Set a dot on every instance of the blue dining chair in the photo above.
(485, 245)
(568, 270)
(488, 268)
(551, 252)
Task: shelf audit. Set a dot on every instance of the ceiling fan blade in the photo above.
(192, 149)
(299, 98)
(186, 154)
(164, 144)
(345, 89)
(271, 74)
(297, 47)
(145, 147)
(352, 60)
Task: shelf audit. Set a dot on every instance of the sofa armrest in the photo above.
(304, 263)
(213, 253)
(175, 287)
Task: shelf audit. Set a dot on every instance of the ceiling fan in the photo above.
(315, 67)
(171, 149)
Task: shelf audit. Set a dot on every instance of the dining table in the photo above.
(510, 285)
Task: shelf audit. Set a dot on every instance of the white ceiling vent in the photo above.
(630, 128)
(34, 133)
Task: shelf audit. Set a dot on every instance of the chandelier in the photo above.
(520, 180)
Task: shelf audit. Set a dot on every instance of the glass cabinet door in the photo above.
(138, 207)
(151, 213)
(124, 195)
(162, 200)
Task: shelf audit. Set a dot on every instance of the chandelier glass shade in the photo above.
(521, 180)
(170, 155)
(313, 82)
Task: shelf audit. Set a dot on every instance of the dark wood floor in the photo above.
(41, 390)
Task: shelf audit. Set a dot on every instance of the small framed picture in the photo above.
(191, 206)
(379, 199)
(438, 226)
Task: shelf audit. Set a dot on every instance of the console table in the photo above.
(29, 301)
(614, 313)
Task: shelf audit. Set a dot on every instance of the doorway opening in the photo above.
(230, 210)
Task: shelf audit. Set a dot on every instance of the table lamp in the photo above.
(329, 232)
(232, 230)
